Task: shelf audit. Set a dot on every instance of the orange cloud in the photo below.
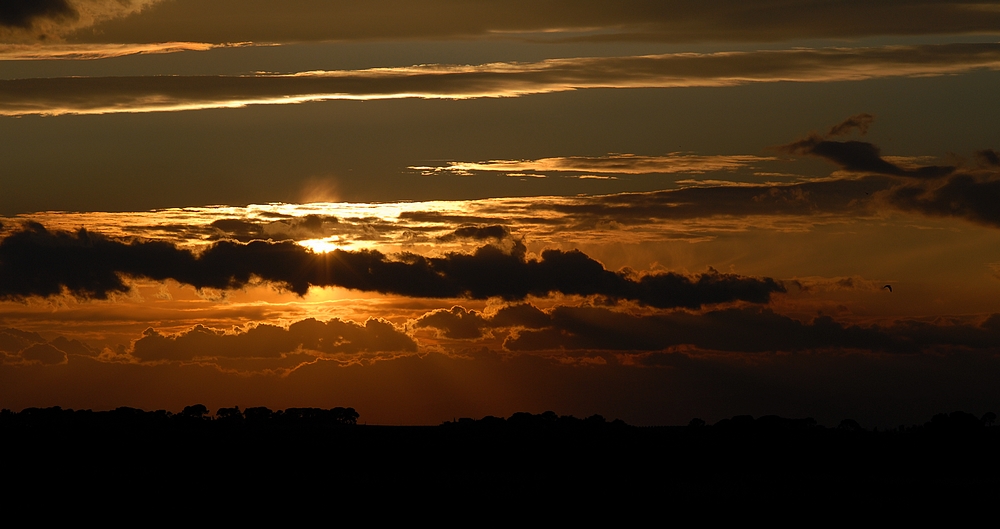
(610, 164)
(31, 52)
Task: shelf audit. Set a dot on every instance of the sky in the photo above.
(433, 209)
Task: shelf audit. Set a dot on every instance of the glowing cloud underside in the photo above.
(611, 164)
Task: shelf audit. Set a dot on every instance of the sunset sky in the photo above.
(427, 209)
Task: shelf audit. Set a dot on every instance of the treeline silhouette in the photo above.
(191, 416)
(549, 421)
(311, 451)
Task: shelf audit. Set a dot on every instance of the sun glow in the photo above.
(324, 245)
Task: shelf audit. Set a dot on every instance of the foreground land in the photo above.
(312, 451)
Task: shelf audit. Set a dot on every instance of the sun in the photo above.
(324, 245)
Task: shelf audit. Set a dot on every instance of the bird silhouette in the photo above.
(889, 287)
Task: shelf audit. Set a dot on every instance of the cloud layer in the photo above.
(271, 341)
(96, 95)
(37, 262)
(736, 330)
(601, 20)
(969, 193)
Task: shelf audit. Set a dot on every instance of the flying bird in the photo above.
(889, 287)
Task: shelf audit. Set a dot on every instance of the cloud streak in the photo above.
(861, 157)
(27, 52)
(967, 196)
(610, 164)
(969, 193)
(97, 95)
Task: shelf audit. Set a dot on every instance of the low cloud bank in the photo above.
(272, 341)
(736, 330)
(37, 262)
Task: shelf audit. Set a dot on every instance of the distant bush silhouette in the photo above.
(229, 414)
(257, 414)
(196, 411)
(956, 421)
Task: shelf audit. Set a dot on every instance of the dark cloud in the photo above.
(477, 233)
(38, 262)
(456, 323)
(22, 13)
(736, 330)
(239, 229)
(835, 283)
(831, 197)
(291, 228)
(460, 323)
(523, 315)
(53, 20)
(313, 225)
(940, 191)
(752, 330)
(860, 157)
(75, 347)
(446, 218)
(14, 340)
(43, 353)
(988, 157)
(860, 122)
(31, 346)
(971, 197)
(271, 341)
(656, 20)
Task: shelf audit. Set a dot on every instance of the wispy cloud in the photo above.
(29, 52)
(610, 164)
(695, 212)
(97, 95)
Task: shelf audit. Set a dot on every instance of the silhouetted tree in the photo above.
(229, 414)
(989, 418)
(956, 421)
(344, 415)
(257, 414)
(196, 411)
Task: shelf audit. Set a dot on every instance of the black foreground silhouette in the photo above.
(313, 451)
